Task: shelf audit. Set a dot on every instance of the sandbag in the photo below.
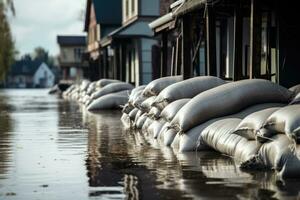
(187, 89)
(169, 136)
(228, 99)
(219, 137)
(156, 86)
(133, 113)
(295, 89)
(279, 154)
(136, 92)
(191, 140)
(285, 120)
(138, 100)
(127, 108)
(155, 128)
(126, 121)
(84, 85)
(172, 109)
(104, 82)
(140, 122)
(109, 101)
(154, 113)
(147, 123)
(112, 88)
(146, 105)
(296, 100)
(137, 116)
(251, 124)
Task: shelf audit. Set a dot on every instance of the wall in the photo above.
(150, 8)
(146, 60)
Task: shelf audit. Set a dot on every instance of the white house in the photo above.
(43, 77)
(30, 74)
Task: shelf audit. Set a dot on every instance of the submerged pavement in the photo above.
(52, 149)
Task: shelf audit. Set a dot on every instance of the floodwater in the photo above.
(53, 149)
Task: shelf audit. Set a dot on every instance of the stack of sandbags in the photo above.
(191, 140)
(167, 135)
(111, 96)
(130, 109)
(186, 89)
(228, 99)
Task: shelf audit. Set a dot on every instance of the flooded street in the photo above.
(53, 149)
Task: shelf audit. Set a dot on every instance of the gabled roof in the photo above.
(108, 12)
(25, 67)
(71, 40)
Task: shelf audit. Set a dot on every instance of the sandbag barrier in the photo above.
(248, 120)
(99, 95)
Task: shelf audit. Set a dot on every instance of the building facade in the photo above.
(231, 39)
(101, 18)
(71, 64)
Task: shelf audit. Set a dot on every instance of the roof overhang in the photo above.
(137, 28)
(179, 8)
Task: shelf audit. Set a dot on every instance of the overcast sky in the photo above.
(38, 22)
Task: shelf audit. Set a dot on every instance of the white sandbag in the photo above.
(169, 112)
(296, 99)
(135, 93)
(137, 116)
(228, 99)
(251, 124)
(279, 154)
(127, 108)
(154, 113)
(155, 128)
(219, 137)
(156, 86)
(140, 122)
(147, 123)
(133, 113)
(187, 89)
(146, 105)
(84, 85)
(109, 101)
(126, 121)
(191, 140)
(285, 120)
(91, 89)
(138, 100)
(112, 88)
(104, 82)
(295, 89)
(169, 136)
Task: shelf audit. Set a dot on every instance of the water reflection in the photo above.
(5, 136)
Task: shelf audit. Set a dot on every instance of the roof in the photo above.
(108, 12)
(179, 10)
(25, 67)
(71, 40)
(137, 28)
(189, 6)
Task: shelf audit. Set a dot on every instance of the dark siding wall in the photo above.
(289, 44)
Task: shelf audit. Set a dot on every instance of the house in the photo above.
(70, 58)
(30, 74)
(101, 18)
(231, 39)
(127, 51)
